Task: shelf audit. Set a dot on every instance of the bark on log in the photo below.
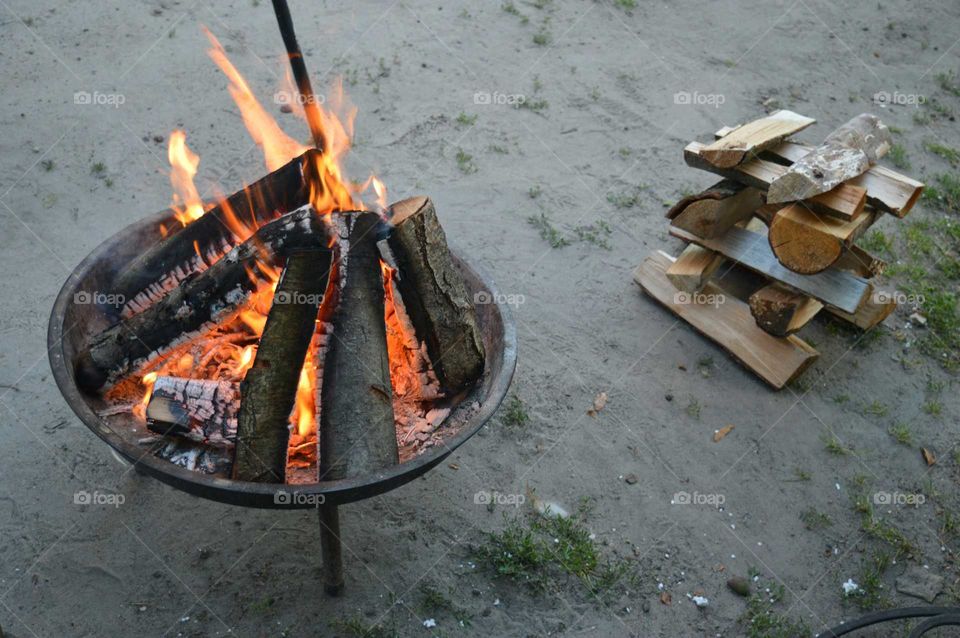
(435, 295)
(845, 201)
(780, 311)
(357, 430)
(206, 297)
(201, 410)
(169, 261)
(713, 211)
(808, 243)
(751, 138)
(846, 153)
(269, 389)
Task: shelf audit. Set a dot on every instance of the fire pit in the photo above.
(291, 345)
(72, 321)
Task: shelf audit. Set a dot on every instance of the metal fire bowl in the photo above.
(71, 324)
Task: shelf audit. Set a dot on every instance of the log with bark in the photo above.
(745, 141)
(269, 389)
(887, 190)
(434, 294)
(202, 410)
(846, 153)
(202, 299)
(808, 243)
(845, 201)
(781, 311)
(357, 431)
(711, 212)
(161, 268)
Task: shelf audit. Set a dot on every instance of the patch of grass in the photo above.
(946, 192)
(466, 120)
(933, 408)
(535, 104)
(435, 602)
(871, 594)
(548, 232)
(948, 153)
(947, 81)
(595, 233)
(801, 474)
(496, 148)
(626, 199)
(920, 118)
(898, 156)
(515, 414)
(835, 446)
(901, 433)
(47, 165)
(541, 38)
(876, 408)
(815, 520)
(626, 4)
(538, 551)
(535, 191)
(465, 162)
(694, 408)
(761, 620)
(510, 8)
(98, 168)
(841, 398)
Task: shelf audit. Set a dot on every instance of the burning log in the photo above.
(202, 410)
(210, 296)
(162, 267)
(357, 431)
(846, 153)
(434, 294)
(269, 390)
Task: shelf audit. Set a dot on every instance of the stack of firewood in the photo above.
(772, 244)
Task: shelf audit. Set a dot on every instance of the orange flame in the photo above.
(187, 205)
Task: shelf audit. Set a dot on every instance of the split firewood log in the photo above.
(693, 268)
(845, 201)
(711, 212)
(357, 431)
(269, 389)
(434, 294)
(846, 153)
(202, 410)
(205, 298)
(781, 311)
(808, 243)
(751, 138)
(192, 248)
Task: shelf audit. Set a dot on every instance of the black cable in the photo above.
(938, 617)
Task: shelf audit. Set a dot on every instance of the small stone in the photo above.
(668, 396)
(918, 320)
(158, 139)
(739, 585)
(920, 583)
(631, 479)
(646, 607)
(286, 108)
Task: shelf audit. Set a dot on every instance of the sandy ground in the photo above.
(165, 563)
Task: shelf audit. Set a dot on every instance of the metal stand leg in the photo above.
(331, 549)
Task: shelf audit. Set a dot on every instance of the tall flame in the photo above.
(187, 205)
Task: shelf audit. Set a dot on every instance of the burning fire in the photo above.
(229, 350)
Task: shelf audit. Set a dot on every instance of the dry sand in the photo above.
(604, 145)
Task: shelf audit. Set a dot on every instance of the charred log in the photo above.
(357, 431)
(162, 267)
(210, 296)
(269, 389)
(202, 410)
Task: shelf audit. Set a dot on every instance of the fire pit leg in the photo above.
(331, 549)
